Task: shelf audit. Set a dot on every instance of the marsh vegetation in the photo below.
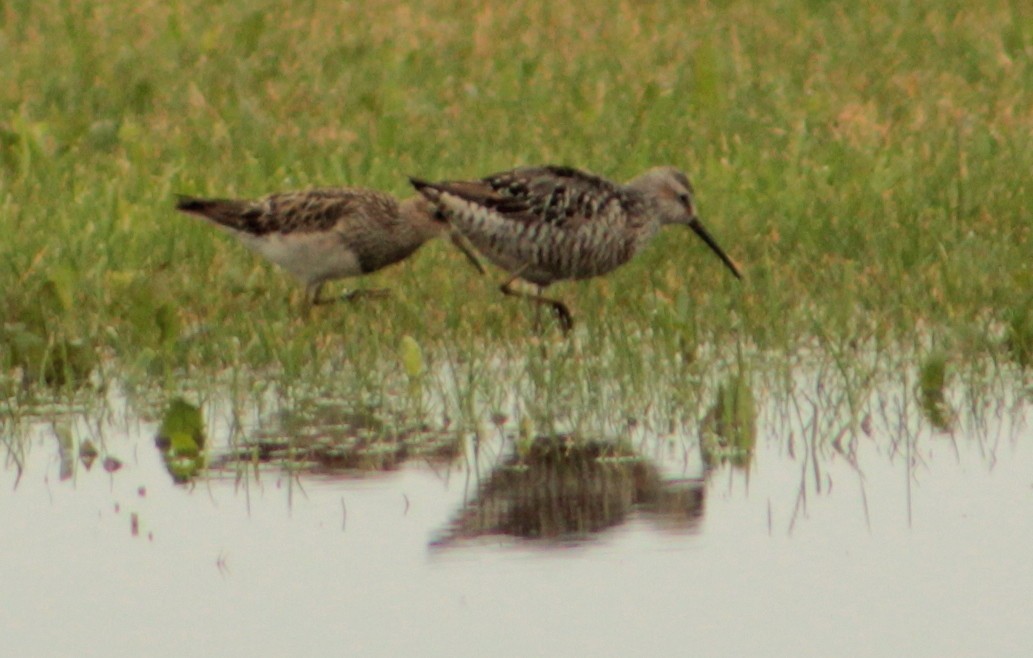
(867, 165)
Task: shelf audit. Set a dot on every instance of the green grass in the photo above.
(868, 165)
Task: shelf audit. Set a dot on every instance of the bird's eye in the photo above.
(685, 199)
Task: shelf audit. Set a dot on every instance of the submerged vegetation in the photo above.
(867, 165)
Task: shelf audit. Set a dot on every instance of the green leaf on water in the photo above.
(182, 421)
(411, 356)
(181, 440)
(183, 444)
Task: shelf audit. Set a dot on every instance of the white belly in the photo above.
(308, 256)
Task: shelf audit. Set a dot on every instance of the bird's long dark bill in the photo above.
(697, 226)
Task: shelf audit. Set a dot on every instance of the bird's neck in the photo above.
(418, 214)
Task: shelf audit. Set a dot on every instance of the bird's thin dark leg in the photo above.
(312, 295)
(538, 315)
(566, 320)
(314, 298)
(374, 293)
(562, 313)
(461, 243)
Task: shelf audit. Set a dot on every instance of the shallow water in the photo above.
(906, 541)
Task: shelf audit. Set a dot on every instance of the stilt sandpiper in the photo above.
(320, 235)
(547, 224)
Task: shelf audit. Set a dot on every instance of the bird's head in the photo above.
(671, 193)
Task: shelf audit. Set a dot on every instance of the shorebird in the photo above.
(547, 224)
(320, 235)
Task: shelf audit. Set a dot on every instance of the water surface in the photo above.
(904, 541)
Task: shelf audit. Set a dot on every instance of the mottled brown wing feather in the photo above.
(311, 210)
(552, 194)
(289, 212)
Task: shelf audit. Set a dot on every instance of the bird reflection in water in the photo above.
(562, 489)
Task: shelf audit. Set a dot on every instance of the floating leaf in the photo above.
(181, 440)
(412, 357)
(183, 444)
(182, 420)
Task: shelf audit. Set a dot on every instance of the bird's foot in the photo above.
(372, 293)
(563, 315)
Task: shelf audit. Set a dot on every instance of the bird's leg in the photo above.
(461, 243)
(319, 300)
(370, 292)
(314, 298)
(312, 294)
(562, 312)
(566, 320)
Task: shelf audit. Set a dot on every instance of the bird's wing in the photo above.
(322, 209)
(560, 196)
(290, 212)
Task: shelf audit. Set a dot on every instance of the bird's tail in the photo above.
(432, 193)
(227, 212)
(424, 187)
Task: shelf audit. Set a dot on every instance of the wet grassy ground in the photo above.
(868, 166)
